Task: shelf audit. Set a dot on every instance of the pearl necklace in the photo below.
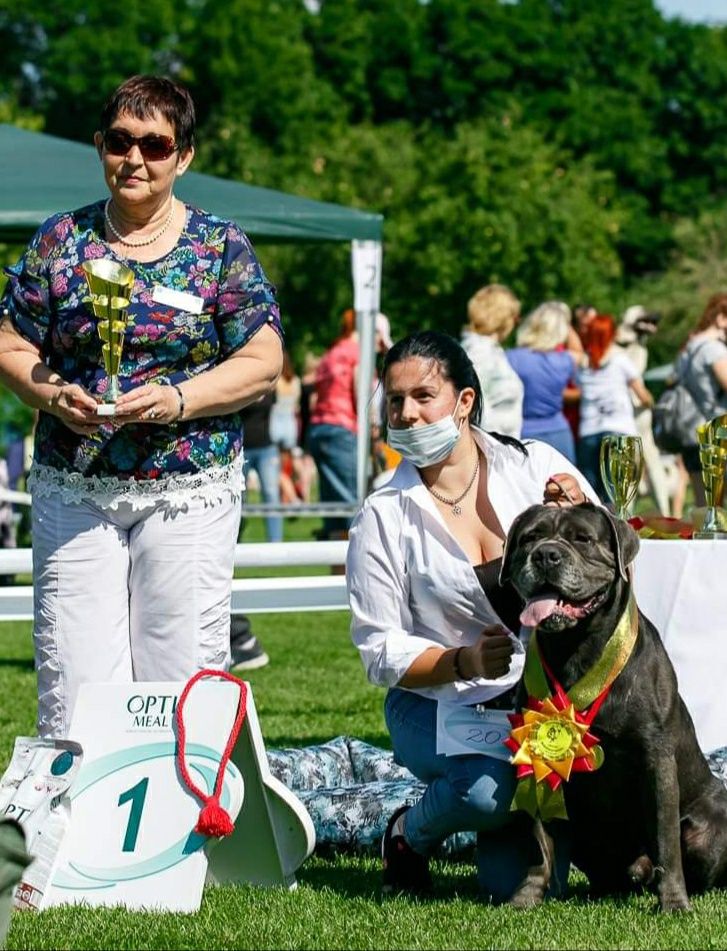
(137, 244)
(456, 507)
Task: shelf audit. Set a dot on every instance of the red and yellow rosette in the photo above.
(549, 740)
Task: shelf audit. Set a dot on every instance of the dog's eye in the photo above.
(584, 537)
(527, 538)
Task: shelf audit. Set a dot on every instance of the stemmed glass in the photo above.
(712, 439)
(622, 465)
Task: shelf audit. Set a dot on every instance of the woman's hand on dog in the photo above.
(490, 656)
(563, 489)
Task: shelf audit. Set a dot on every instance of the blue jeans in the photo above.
(265, 460)
(466, 793)
(589, 450)
(334, 451)
(560, 439)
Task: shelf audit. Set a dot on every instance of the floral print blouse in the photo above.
(45, 300)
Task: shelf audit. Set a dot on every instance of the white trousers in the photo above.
(122, 595)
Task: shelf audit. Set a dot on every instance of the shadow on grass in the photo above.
(351, 874)
(19, 663)
(358, 880)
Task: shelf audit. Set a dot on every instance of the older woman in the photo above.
(492, 312)
(546, 358)
(136, 516)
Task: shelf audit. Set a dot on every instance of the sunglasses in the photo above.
(153, 147)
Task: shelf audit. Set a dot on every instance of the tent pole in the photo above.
(366, 266)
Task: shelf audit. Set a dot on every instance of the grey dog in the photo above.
(653, 814)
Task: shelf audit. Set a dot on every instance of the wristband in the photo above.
(455, 664)
(181, 400)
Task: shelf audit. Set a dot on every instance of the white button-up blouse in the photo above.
(410, 584)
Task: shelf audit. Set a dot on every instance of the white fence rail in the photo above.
(249, 595)
(250, 509)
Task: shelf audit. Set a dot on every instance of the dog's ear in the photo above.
(510, 546)
(625, 543)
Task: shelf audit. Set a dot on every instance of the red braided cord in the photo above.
(232, 739)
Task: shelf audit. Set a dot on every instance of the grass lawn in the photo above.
(314, 689)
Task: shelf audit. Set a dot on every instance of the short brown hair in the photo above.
(142, 96)
(493, 309)
(716, 305)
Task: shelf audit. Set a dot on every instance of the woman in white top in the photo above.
(492, 314)
(606, 405)
(702, 365)
(423, 624)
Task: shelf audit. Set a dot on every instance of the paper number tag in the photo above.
(463, 730)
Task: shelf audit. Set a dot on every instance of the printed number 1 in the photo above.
(136, 795)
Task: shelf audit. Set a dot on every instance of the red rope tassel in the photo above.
(213, 819)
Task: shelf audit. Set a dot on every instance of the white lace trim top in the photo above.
(110, 492)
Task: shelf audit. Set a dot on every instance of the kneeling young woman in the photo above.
(425, 623)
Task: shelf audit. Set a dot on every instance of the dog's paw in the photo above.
(674, 901)
(641, 871)
(528, 895)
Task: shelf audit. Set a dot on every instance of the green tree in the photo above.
(696, 269)
(82, 50)
(492, 201)
(249, 65)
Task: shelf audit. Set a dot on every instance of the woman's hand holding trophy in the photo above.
(110, 285)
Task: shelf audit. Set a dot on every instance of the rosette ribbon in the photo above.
(551, 737)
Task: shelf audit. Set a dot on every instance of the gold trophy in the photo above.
(712, 438)
(110, 284)
(622, 465)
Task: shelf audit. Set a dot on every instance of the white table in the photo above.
(681, 586)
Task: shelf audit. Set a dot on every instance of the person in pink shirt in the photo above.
(334, 423)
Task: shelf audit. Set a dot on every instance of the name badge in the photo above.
(463, 730)
(178, 299)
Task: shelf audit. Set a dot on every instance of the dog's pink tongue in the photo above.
(537, 609)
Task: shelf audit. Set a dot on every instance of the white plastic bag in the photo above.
(33, 791)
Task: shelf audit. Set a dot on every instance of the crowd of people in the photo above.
(577, 375)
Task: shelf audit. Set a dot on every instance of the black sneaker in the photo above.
(404, 869)
(247, 654)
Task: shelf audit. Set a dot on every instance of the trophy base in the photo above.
(106, 409)
(711, 535)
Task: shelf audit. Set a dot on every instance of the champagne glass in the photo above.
(622, 465)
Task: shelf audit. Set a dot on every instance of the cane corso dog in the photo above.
(652, 814)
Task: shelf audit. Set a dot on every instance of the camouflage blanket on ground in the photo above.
(350, 788)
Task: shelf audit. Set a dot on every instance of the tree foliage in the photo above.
(569, 148)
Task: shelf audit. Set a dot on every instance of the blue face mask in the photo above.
(429, 444)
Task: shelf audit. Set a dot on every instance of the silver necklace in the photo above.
(456, 507)
(137, 244)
